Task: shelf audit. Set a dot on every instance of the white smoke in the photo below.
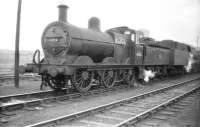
(148, 74)
(190, 62)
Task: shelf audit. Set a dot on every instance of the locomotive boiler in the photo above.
(63, 43)
(81, 58)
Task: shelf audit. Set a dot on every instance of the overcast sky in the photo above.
(165, 19)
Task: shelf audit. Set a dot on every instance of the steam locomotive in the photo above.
(83, 58)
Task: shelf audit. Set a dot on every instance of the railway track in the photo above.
(127, 111)
(34, 99)
(31, 101)
(8, 76)
(18, 101)
(165, 116)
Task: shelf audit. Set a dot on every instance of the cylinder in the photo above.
(62, 13)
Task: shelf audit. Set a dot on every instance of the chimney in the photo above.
(62, 13)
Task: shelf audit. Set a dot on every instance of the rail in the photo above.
(109, 106)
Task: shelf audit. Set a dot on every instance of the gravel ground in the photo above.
(29, 117)
(189, 117)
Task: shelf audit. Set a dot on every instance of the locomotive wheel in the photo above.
(109, 78)
(82, 81)
(129, 77)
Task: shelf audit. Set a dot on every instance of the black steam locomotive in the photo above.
(82, 58)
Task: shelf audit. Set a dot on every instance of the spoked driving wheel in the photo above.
(109, 78)
(82, 81)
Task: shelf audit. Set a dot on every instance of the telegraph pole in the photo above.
(198, 42)
(17, 44)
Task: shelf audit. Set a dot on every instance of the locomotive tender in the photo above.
(82, 58)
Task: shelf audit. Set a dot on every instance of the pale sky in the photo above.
(165, 19)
